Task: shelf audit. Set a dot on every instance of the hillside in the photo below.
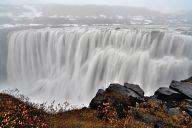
(109, 108)
(55, 14)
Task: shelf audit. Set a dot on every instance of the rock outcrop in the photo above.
(173, 103)
(116, 94)
(167, 94)
(183, 88)
(177, 91)
(189, 80)
(135, 88)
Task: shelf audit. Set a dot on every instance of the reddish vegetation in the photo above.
(17, 114)
(155, 109)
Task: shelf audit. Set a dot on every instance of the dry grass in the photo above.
(182, 121)
(18, 114)
(15, 113)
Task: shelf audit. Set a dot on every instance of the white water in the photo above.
(73, 63)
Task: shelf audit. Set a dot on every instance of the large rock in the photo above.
(174, 111)
(144, 117)
(135, 88)
(160, 124)
(122, 91)
(116, 95)
(99, 99)
(167, 94)
(186, 106)
(188, 80)
(182, 87)
(187, 109)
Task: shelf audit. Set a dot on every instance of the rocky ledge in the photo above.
(119, 106)
(168, 107)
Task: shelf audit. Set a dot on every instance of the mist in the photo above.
(159, 5)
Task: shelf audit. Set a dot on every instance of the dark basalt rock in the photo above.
(118, 89)
(122, 99)
(117, 28)
(154, 99)
(144, 117)
(174, 111)
(167, 94)
(186, 106)
(135, 88)
(116, 95)
(183, 88)
(98, 100)
(160, 124)
(188, 80)
(188, 109)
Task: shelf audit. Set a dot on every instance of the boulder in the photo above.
(116, 95)
(154, 99)
(135, 88)
(160, 124)
(188, 109)
(149, 119)
(144, 117)
(122, 91)
(186, 106)
(174, 111)
(182, 87)
(98, 100)
(188, 80)
(167, 94)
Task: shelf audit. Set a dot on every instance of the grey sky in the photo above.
(161, 5)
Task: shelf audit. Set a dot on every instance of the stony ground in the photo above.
(17, 114)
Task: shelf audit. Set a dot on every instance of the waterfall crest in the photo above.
(73, 63)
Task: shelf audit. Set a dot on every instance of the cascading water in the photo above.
(73, 63)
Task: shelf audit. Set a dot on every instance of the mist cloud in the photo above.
(160, 5)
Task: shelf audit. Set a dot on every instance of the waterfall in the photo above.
(73, 63)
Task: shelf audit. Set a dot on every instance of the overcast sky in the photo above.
(161, 5)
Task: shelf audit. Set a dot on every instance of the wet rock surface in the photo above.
(182, 87)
